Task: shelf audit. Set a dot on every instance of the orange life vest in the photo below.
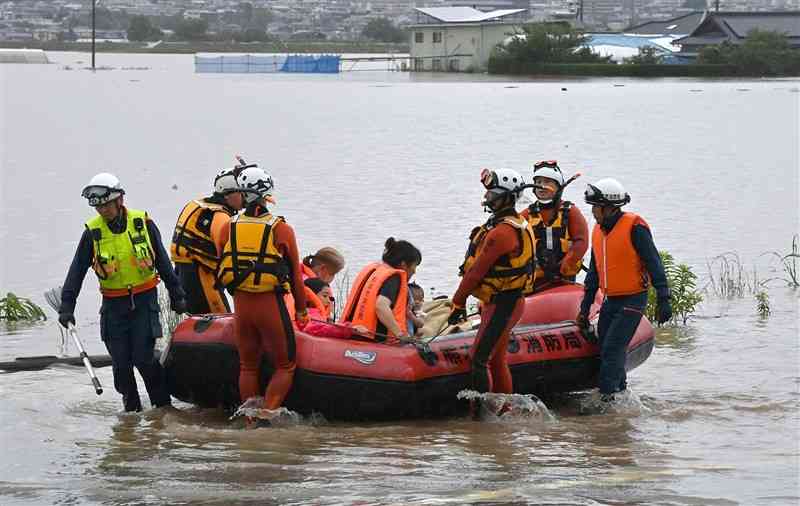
(360, 307)
(307, 272)
(311, 300)
(619, 268)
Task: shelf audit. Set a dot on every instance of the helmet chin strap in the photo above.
(494, 207)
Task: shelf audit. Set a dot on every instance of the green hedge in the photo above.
(505, 66)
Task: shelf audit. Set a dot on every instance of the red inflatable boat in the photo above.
(363, 380)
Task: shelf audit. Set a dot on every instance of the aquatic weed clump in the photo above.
(684, 295)
(15, 309)
(790, 264)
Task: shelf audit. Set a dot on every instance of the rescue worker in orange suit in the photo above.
(559, 228)
(498, 271)
(197, 246)
(378, 300)
(259, 264)
(123, 247)
(624, 263)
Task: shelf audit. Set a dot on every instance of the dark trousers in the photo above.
(129, 328)
(619, 318)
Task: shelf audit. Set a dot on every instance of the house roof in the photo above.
(717, 27)
(465, 14)
(681, 25)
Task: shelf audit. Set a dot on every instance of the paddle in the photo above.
(44, 361)
(53, 298)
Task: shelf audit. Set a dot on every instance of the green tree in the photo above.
(648, 55)
(549, 43)
(191, 29)
(763, 53)
(383, 30)
(140, 28)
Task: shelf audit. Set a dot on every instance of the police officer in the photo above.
(197, 245)
(498, 271)
(624, 263)
(123, 247)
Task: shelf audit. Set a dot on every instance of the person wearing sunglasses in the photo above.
(624, 263)
(560, 230)
(498, 271)
(197, 246)
(123, 247)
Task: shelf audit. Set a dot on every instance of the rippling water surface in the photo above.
(712, 165)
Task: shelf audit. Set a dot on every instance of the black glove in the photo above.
(65, 319)
(457, 315)
(663, 310)
(178, 305)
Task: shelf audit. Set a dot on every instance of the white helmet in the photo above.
(550, 170)
(225, 182)
(502, 181)
(255, 184)
(606, 192)
(102, 188)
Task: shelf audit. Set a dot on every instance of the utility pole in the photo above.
(94, 3)
(716, 5)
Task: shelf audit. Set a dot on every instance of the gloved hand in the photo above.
(301, 319)
(65, 319)
(457, 315)
(178, 306)
(663, 310)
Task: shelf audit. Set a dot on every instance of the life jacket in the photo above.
(250, 261)
(360, 306)
(192, 241)
(307, 272)
(619, 268)
(312, 301)
(124, 262)
(552, 241)
(508, 274)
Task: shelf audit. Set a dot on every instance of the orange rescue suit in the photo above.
(360, 308)
(619, 268)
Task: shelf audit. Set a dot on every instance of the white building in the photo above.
(459, 39)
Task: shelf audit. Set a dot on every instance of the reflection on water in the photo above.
(361, 156)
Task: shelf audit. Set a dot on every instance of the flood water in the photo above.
(711, 164)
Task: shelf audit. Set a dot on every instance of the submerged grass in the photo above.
(789, 264)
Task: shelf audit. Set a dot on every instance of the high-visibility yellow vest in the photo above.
(250, 261)
(124, 262)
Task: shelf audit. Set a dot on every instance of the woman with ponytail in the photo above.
(325, 264)
(378, 299)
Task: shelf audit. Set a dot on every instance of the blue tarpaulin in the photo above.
(264, 63)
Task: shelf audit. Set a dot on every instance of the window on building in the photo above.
(436, 64)
(453, 65)
(437, 37)
(419, 37)
(419, 64)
